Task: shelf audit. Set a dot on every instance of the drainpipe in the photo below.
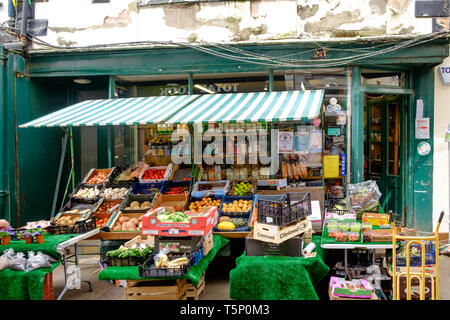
(4, 193)
(24, 26)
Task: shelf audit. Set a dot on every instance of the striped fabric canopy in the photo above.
(251, 107)
(230, 107)
(124, 111)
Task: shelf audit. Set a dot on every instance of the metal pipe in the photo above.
(3, 191)
(24, 26)
(72, 158)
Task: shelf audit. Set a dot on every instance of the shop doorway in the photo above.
(385, 149)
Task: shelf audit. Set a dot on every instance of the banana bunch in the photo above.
(164, 262)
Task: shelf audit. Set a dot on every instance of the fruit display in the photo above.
(355, 227)
(125, 223)
(136, 205)
(242, 188)
(154, 174)
(238, 222)
(353, 236)
(332, 232)
(332, 224)
(226, 225)
(341, 236)
(114, 193)
(97, 177)
(204, 186)
(87, 193)
(197, 206)
(343, 226)
(237, 206)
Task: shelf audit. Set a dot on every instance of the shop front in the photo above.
(373, 138)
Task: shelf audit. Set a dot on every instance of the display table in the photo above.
(21, 285)
(278, 278)
(194, 274)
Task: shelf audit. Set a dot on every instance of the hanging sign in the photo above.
(334, 131)
(285, 142)
(422, 128)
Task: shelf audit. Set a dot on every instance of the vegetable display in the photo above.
(176, 216)
(125, 223)
(164, 262)
(100, 222)
(177, 190)
(136, 250)
(137, 205)
(105, 207)
(67, 220)
(152, 174)
(98, 177)
(114, 193)
(87, 193)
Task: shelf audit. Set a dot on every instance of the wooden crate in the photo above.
(193, 292)
(47, 287)
(156, 290)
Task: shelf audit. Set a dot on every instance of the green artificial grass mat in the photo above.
(21, 285)
(47, 247)
(278, 278)
(194, 274)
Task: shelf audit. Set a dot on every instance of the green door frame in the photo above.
(400, 179)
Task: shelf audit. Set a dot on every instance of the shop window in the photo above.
(383, 78)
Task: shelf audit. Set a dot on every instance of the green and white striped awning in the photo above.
(251, 107)
(208, 108)
(123, 111)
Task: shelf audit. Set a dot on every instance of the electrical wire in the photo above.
(240, 55)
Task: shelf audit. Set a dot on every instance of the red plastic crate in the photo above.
(48, 287)
(197, 226)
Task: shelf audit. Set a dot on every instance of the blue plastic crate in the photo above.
(245, 228)
(416, 261)
(144, 188)
(230, 199)
(197, 255)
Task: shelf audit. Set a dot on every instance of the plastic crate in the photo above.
(144, 188)
(148, 269)
(174, 184)
(219, 188)
(245, 216)
(230, 199)
(167, 174)
(288, 208)
(47, 287)
(137, 197)
(126, 262)
(416, 261)
(78, 227)
(108, 245)
(74, 204)
(197, 256)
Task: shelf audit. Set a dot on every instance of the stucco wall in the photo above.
(441, 174)
(81, 23)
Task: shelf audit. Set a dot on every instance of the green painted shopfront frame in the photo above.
(39, 82)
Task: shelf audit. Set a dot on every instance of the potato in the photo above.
(145, 205)
(117, 227)
(123, 219)
(134, 205)
(134, 221)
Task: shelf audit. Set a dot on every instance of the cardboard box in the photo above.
(150, 241)
(176, 201)
(197, 226)
(178, 244)
(376, 219)
(276, 234)
(289, 248)
(208, 243)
